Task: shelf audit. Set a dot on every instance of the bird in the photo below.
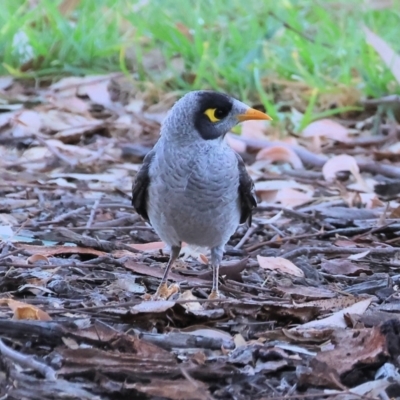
(192, 186)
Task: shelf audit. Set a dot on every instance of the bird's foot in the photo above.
(214, 295)
(164, 292)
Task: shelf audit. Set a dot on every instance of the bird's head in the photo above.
(207, 115)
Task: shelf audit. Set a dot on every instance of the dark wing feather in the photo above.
(140, 186)
(248, 199)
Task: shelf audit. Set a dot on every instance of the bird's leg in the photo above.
(163, 291)
(216, 258)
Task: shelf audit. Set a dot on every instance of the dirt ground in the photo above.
(311, 306)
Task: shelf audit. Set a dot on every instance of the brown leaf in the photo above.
(358, 256)
(278, 185)
(182, 28)
(98, 92)
(6, 82)
(198, 330)
(328, 129)
(279, 153)
(344, 267)
(71, 104)
(337, 319)
(229, 269)
(6, 118)
(146, 270)
(26, 122)
(289, 197)
(26, 311)
(387, 54)
(152, 306)
(395, 213)
(152, 246)
(365, 347)
(67, 6)
(304, 292)
(142, 359)
(280, 264)
(37, 258)
(341, 163)
(192, 305)
(180, 389)
(45, 251)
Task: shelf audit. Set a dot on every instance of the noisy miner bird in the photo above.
(192, 187)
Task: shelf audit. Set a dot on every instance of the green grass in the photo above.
(236, 46)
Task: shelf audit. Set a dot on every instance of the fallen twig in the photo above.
(28, 362)
(339, 250)
(93, 212)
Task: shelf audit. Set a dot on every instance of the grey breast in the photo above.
(193, 193)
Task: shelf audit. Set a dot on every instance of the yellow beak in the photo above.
(251, 113)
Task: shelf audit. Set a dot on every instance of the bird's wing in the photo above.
(140, 186)
(247, 194)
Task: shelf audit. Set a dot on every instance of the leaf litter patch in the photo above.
(311, 304)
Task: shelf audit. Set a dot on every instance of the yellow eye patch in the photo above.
(210, 112)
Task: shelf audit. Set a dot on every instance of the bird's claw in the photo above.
(164, 292)
(214, 295)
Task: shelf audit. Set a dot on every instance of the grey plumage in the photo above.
(193, 187)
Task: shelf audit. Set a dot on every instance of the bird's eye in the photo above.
(215, 114)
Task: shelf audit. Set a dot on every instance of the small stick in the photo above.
(27, 361)
(339, 250)
(93, 212)
(63, 217)
(54, 150)
(245, 237)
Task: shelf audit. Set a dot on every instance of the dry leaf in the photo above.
(98, 92)
(26, 122)
(67, 6)
(289, 197)
(192, 306)
(58, 120)
(341, 163)
(328, 129)
(280, 264)
(37, 258)
(395, 213)
(239, 340)
(207, 332)
(152, 306)
(262, 186)
(359, 256)
(26, 311)
(70, 343)
(6, 118)
(387, 54)
(6, 82)
(203, 259)
(337, 319)
(71, 104)
(152, 246)
(344, 267)
(268, 190)
(46, 251)
(280, 154)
